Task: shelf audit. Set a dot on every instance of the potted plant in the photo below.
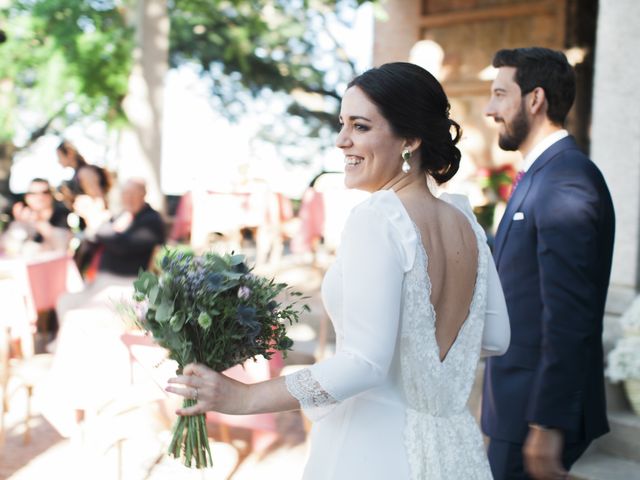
(624, 360)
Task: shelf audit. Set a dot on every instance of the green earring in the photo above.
(406, 156)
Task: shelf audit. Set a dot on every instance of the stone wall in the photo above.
(615, 144)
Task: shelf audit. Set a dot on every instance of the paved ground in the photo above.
(140, 455)
(144, 431)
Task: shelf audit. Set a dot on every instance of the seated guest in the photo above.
(124, 244)
(129, 240)
(42, 219)
(88, 344)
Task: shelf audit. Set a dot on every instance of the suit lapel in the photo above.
(512, 207)
(523, 189)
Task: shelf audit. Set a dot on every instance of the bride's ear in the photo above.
(412, 144)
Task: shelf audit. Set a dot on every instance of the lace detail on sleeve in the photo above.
(315, 401)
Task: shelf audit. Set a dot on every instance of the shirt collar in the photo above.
(541, 146)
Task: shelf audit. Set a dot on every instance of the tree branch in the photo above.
(42, 130)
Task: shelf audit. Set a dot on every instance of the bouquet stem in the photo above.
(190, 439)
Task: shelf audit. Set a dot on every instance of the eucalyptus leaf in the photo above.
(154, 292)
(236, 259)
(164, 311)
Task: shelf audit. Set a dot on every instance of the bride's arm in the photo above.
(372, 273)
(497, 332)
(217, 392)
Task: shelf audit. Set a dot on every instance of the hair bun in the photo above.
(441, 158)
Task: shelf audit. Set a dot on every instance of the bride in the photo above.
(413, 295)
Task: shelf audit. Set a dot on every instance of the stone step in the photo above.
(598, 465)
(624, 438)
(616, 398)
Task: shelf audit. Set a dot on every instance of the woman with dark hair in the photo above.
(68, 156)
(413, 295)
(86, 194)
(87, 179)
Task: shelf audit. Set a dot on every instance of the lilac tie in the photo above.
(516, 181)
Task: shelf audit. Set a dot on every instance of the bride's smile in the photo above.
(372, 150)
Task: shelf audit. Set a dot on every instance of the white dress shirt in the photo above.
(541, 146)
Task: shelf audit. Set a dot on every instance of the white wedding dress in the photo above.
(385, 406)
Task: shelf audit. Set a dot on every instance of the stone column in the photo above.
(615, 138)
(397, 31)
(140, 149)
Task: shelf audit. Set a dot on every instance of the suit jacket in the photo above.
(125, 253)
(553, 253)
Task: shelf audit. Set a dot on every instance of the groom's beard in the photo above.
(515, 132)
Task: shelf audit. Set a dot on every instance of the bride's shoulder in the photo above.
(457, 200)
(386, 205)
(462, 203)
(383, 215)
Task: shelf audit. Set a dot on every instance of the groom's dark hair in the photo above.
(544, 68)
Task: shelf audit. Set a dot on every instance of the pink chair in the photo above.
(20, 367)
(152, 359)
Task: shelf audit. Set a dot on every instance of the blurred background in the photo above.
(221, 115)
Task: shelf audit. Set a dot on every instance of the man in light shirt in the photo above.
(543, 401)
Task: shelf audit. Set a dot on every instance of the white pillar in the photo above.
(397, 31)
(615, 137)
(140, 145)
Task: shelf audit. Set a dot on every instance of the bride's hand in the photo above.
(211, 390)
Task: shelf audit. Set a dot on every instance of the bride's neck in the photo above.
(410, 183)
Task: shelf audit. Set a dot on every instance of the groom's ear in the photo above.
(537, 101)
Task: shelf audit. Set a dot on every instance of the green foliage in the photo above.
(213, 311)
(261, 44)
(63, 59)
(250, 48)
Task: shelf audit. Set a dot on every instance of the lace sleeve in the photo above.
(314, 400)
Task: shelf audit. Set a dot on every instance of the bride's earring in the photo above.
(406, 156)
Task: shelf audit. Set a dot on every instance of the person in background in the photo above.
(124, 244)
(90, 205)
(95, 182)
(544, 400)
(130, 238)
(40, 223)
(69, 157)
(43, 219)
(88, 179)
(90, 358)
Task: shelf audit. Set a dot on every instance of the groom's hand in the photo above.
(543, 453)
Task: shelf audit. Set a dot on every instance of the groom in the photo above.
(543, 401)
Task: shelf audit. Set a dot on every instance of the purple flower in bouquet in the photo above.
(244, 292)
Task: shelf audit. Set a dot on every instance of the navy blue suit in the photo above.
(553, 253)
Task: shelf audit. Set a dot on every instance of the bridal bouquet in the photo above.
(212, 310)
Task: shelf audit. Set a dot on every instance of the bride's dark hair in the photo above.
(415, 105)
